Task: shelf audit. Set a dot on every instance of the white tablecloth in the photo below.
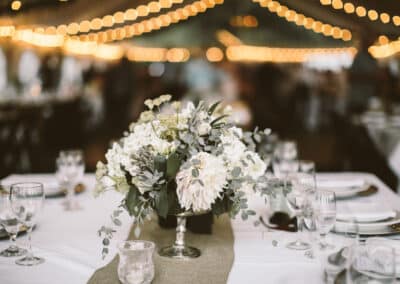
(70, 244)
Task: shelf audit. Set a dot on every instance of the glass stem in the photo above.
(299, 227)
(323, 240)
(180, 232)
(29, 253)
(13, 242)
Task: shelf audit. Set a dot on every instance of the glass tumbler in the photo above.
(136, 264)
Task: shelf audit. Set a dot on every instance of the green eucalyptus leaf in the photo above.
(132, 200)
(213, 107)
(160, 163)
(236, 172)
(195, 173)
(173, 165)
(162, 202)
(218, 119)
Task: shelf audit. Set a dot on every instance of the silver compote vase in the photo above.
(179, 250)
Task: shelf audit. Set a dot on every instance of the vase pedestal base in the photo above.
(179, 252)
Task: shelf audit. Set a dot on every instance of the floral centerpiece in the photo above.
(181, 160)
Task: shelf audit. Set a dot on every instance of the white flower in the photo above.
(115, 157)
(203, 128)
(146, 116)
(187, 110)
(255, 166)
(200, 192)
(148, 134)
(233, 147)
(149, 103)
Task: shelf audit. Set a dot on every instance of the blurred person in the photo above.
(363, 76)
(118, 94)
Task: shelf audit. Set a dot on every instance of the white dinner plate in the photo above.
(49, 181)
(369, 229)
(343, 187)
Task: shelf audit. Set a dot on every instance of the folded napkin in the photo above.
(379, 250)
(341, 184)
(363, 212)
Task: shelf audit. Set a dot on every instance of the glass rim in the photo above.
(151, 245)
(27, 184)
(326, 191)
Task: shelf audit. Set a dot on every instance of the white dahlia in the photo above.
(200, 182)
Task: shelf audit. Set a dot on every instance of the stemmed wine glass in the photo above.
(26, 202)
(325, 215)
(70, 170)
(302, 185)
(10, 223)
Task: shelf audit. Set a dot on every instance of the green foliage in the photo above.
(173, 164)
(161, 202)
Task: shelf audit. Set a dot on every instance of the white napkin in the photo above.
(49, 181)
(373, 243)
(339, 185)
(364, 212)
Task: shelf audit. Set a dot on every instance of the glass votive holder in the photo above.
(136, 264)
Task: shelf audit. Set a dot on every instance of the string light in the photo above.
(119, 17)
(249, 53)
(247, 21)
(385, 48)
(166, 19)
(16, 5)
(153, 54)
(214, 54)
(362, 11)
(308, 22)
(227, 38)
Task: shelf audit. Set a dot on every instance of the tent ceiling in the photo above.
(200, 30)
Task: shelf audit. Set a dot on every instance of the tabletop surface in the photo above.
(72, 249)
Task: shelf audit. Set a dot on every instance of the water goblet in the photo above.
(136, 262)
(26, 202)
(325, 215)
(10, 223)
(70, 170)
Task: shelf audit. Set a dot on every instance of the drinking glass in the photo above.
(300, 199)
(333, 263)
(325, 215)
(285, 159)
(136, 262)
(70, 170)
(10, 223)
(26, 202)
(371, 263)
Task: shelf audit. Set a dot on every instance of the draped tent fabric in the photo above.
(272, 30)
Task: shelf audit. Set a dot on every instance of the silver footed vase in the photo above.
(179, 250)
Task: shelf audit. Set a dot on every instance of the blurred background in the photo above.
(325, 73)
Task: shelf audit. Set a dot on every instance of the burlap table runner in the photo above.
(212, 267)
